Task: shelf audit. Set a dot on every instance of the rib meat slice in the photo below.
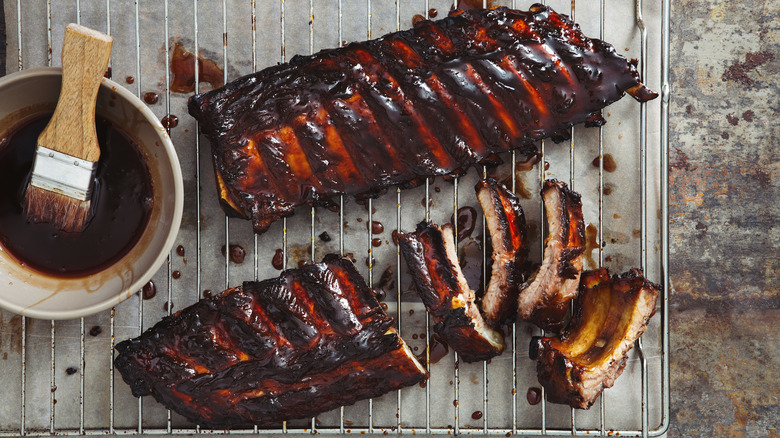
(545, 298)
(311, 340)
(433, 100)
(508, 233)
(610, 314)
(431, 255)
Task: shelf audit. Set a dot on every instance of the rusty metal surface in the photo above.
(724, 216)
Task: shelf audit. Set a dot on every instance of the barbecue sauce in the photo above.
(122, 203)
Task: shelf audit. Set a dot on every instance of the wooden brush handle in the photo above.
(85, 54)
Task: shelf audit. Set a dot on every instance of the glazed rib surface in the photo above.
(431, 256)
(433, 100)
(509, 236)
(545, 298)
(311, 340)
(610, 313)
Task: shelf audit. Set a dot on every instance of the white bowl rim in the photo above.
(178, 209)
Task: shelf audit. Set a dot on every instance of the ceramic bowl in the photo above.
(36, 295)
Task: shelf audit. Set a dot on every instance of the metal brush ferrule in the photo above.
(62, 173)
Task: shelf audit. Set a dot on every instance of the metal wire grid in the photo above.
(370, 428)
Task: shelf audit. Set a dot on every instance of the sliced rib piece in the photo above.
(509, 236)
(431, 255)
(433, 100)
(311, 340)
(610, 314)
(545, 298)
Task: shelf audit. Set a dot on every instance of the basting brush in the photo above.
(67, 154)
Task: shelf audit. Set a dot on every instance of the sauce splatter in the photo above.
(591, 234)
(149, 290)
(180, 250)
(375, 242)
(417, 18)
(207, 293)
(96, 330)
(183, 70)
(377, 227)
(609, 163)
(325, 237)
(237, 253)
(176, 275)
(438, 349)
(386, 279)
(278, 260)
(129, 79)
(476, 415)
(432, 12)
(71, 371)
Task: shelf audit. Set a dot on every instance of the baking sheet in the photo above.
(65, 383)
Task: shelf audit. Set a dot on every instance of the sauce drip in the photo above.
(176, 275)
(180, 250)
(438, 349)
(529, 162)
(207, 293)
(534, 396)
(278, 260)
(377, 227)
(375, 242)
(149, 290)
(129, 79)
(96, 330)
(467, 220)
(170, 121)
(432, 12)
(183, 70)
(122, 203)
(151, 97)
(476, 415)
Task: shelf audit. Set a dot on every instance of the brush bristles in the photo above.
(65, 213)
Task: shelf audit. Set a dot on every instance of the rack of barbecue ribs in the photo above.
(545, 298)
(509, 237)
(590, 354)
(433, 100)
(431, 256)
(311, 340)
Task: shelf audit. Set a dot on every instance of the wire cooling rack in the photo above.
(58, 378)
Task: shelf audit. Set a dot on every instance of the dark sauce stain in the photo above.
(607, 190)
(278, 260)
(207, 293)
(748, 115)
(529, 162)
(108, 74)
(609, 163)
(167, 305)
(432, 12)
(237, 253)
(734, 121)
(380, 294)
(591, 234)
(437, 189)
(476, 415)
(375, 242)
(359, 219)
(183, 70)
(738, 72)
(96, 330)
(170, 121)
(724, 135)
(394, 236)
(122, 204)
(546, 165)
(180, 250)
(176, 275)
(467, 220)
(129, 79)
(377, 227)
(71, 371)
(151, 97)
(325, 237)
(534, 396)
(149, 290)
(386, 279)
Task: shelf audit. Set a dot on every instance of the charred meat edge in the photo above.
(509, 236)
(545, 298)
(311, 340)
(429, 101)
(590, 354)
(431, 255)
